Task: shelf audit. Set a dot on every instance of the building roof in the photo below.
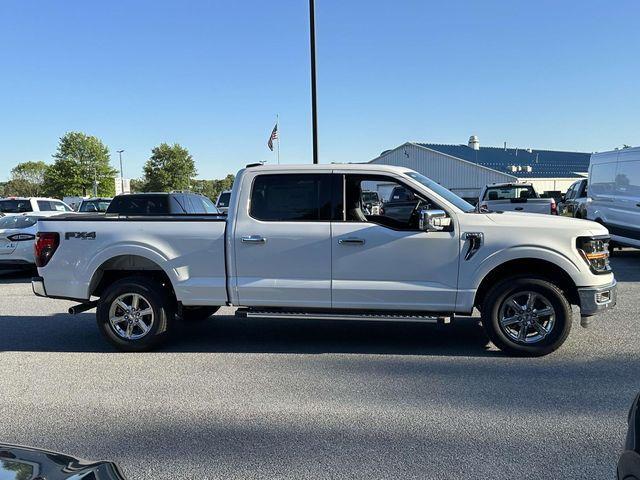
(543, 163)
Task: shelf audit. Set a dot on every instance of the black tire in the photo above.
(158, 300)
(197, 314)
(502, 335)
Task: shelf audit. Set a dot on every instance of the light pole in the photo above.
(121, 173)
(314, 107)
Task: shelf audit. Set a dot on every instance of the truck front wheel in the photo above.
(526, 316)
(134, 314)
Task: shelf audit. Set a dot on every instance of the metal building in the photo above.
(465, 169)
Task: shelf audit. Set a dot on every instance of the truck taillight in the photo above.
(554, 207)
(45, 246)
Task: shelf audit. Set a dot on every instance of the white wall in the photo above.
(542, 185)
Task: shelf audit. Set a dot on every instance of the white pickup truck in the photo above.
(297, 244)
(518, 197)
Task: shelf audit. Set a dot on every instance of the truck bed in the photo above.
(193, 258)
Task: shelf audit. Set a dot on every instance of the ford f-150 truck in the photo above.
(297, 244)
(519, 197)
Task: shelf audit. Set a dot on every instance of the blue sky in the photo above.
(212, 75)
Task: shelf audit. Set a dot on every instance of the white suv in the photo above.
(17, 205)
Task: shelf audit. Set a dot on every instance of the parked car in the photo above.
(401, 203)
(614, 192)
(26, 463)
(223, 201)
(74, 201)
(17, 236)
(94, 205)
(174, 203)
(519, 197)
(297, 244)
(16, 205)
(574, 202)
(629, 462)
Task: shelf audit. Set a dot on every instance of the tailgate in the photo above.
(529, 205)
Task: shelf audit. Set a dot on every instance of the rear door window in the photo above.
(44, 206)
(291, 198)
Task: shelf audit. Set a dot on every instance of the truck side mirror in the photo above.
(433, 220)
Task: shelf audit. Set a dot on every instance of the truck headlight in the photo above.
(595, 251)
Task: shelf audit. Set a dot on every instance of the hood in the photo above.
(547, 222)
(27, 463)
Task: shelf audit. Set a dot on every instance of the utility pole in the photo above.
(314, 106)
(121, 172)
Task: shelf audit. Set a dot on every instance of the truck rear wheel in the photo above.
(526, 316)
(134, 314)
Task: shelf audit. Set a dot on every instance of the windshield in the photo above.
(17, 221)
(509, 192)
(223, 201)
(15, 206)
(448, 195)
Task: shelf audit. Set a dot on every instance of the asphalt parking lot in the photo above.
(245, 399)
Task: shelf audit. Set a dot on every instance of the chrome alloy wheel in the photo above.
(527, 317)
(131, 316)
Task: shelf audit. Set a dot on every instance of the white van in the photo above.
(614, 191)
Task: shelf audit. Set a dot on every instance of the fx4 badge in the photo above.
(80, 235)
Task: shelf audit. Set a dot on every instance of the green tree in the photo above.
(79, 160)
(27, 179)
(170, 167)
(213, 188)
(137, 185)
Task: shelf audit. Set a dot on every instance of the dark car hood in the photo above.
(25, 463)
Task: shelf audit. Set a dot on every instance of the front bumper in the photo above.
(594, 300)
(37, 284)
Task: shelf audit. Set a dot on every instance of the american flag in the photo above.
(274, 136)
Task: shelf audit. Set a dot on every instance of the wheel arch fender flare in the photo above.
(153, 258)
(536, 260)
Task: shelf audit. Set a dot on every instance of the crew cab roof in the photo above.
(310, 168)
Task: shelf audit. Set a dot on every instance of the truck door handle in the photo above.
(519, 208)
(351, 241)
(637, 204)
(254, 239)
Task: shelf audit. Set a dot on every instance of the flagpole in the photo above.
(314, 106)
(278, 127)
